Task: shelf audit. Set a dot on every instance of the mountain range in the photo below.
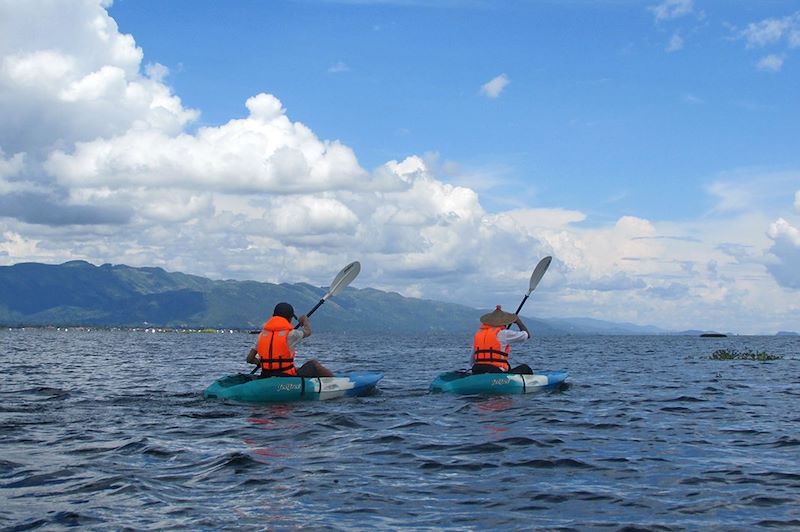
(80, 293)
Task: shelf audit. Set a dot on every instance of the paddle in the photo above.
(340, 282)
(536, 276)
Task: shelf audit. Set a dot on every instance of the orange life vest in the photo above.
(487, 350)
(273, 347)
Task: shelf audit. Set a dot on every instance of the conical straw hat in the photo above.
(498, 318)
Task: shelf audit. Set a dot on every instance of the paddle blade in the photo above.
(344, 278)
(539, 272)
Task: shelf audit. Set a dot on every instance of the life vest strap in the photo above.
(502, 354)
(283, 363)
(500, 357)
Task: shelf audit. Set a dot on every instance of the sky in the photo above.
(651, 147)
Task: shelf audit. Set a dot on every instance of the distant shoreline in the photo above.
(240, 330)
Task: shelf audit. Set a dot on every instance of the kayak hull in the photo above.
(251, 389)
(461, 382)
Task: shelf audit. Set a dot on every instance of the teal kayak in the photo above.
(464, 382)
(251, 389)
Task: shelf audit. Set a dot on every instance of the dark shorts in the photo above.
(266, 374)
(311, 369)
(522, 369)
(485, 368)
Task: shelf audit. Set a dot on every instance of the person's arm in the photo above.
(522, 326)
(510, 336)
(306, 324)
(251, 356)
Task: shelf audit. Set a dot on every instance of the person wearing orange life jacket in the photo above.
(492, 343)
(276, 346)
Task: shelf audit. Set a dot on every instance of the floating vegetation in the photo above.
(732, 354)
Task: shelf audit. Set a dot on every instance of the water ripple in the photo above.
(643, 437)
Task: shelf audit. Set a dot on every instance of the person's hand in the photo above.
(302, 320)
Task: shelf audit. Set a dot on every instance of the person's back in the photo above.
(492, 343)
(277, 344)
(276, 347)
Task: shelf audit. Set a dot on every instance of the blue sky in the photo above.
(596, 107)
(650, 147)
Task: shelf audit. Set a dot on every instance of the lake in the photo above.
(109, 430)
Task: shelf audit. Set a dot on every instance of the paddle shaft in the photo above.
(521, 304)
(524, 299)
(312, 311)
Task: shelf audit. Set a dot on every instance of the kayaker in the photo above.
(493, 341)
(275, 349)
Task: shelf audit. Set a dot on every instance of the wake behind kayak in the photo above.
(252, 389)
(462, 382)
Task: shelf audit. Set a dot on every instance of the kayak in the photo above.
(464, 382)
(252, 389)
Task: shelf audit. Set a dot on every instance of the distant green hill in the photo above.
(79, 293)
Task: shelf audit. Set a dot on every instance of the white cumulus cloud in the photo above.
(65, 67)
(692, 99)
(264, 152)
(672, 9)
(773, 30)
(783, 229)
(494, 87)
(770, 63)
(786, 250)
(675, 43)
(12, 165)
(338, 67)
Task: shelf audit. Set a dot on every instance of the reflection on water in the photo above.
(648, 433)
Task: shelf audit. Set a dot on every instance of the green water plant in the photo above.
(732, 354)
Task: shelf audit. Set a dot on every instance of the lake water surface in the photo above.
(109, 430)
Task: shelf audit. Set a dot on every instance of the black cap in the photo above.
(284, 310)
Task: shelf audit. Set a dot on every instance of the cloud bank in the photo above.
(100, 160)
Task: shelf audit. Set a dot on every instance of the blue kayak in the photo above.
(464, 382)
(251, 389)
